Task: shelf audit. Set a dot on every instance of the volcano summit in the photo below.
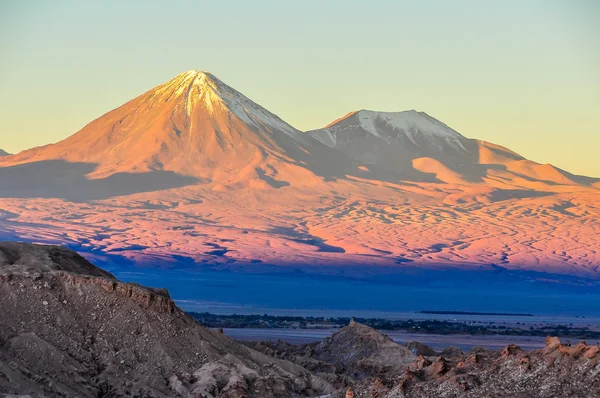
(196, 125)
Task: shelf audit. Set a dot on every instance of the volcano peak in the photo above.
(193, 125)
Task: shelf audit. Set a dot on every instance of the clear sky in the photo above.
(523, 74)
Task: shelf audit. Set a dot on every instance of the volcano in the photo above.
(410, 140)
(195, 125)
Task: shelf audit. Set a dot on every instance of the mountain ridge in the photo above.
(232, 184)
(196, 125)
(408, 140)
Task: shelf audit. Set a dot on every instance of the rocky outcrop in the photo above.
(26, 259)
(420, 348)
(558, 370)
(71, 329)
(361, 351)
(353, 354)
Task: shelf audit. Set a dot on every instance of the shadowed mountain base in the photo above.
(66, 180)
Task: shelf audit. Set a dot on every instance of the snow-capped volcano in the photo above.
(393, 140)
(390, 127)
(196, 125)
(410, 141)
(208, 92)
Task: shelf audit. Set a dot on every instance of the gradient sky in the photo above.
(523, 74)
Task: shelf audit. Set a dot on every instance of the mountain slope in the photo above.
(3, 153)
(194, 172)
(400, 141)
(195, 125)
(71, 329)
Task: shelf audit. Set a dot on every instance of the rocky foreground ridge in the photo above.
(391, 370)
(70, 329)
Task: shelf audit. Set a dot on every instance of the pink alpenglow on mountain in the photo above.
(195, 125)
(194, 168)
